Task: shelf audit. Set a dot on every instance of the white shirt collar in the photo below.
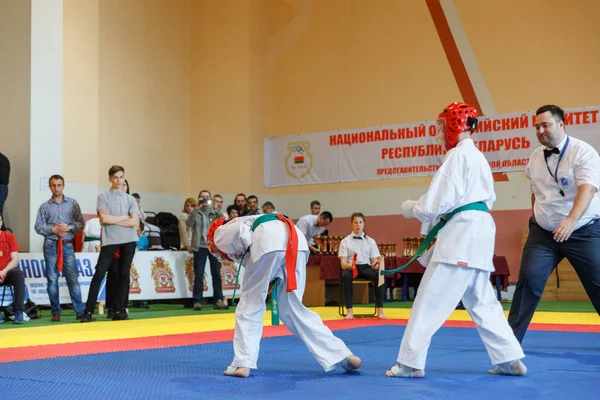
(561, 145)
(362, 234)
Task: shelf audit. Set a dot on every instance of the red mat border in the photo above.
(187, 339)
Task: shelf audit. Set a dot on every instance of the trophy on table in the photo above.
(337, 244)
(319, 243)
(325, 245)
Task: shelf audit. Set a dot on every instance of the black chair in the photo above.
(342, 304)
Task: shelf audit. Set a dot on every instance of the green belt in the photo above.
(274, 308)
(90, 239)
(478, 206)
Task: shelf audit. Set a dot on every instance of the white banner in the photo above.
(398, 151)
(154, 275)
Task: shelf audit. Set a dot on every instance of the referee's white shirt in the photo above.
(579, 164)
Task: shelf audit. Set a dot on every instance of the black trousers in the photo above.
(364, 272)
(541, 255)
(105, 260)
(15, 278)
(215, 271)
(112, 284)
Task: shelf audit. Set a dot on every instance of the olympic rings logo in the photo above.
(298, 149)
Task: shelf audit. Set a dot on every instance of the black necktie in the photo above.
(357, 237)
(548, 153)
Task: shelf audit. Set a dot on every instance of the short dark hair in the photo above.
(141, 225)
(56, 176)
(326, 215)
(252, 197)
(238, 195)
(136, 196)
(269, 204)
(314, 203)
(114, 169)
(204, 190)
(231, 208)
(357, 214)
(557, 113)
(218, 195)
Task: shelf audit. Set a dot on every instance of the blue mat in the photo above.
(561, 365)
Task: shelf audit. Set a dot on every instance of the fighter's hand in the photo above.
(564, 230)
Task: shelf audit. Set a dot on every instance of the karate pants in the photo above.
(327, 349)
(442, 287)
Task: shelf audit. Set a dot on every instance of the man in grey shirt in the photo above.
(199, 220)
(119, 216)
(58, 220)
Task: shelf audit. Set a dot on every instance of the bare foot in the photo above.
(240, 372)
(353, 362)
(402, 371)
(516, 368)
(380, 314)
(350, 314)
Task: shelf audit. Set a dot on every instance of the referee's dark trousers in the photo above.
(541, 255)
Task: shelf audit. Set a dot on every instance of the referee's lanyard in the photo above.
(555, 176)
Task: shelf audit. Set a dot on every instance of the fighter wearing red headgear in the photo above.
(454, 120)
(460, 262)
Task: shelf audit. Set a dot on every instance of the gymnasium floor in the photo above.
(170, 352)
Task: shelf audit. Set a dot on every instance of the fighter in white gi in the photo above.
(459, 264)
(270, 243)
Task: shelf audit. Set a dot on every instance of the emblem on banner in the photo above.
(298, 160)
(162, 275)
(228, 274)
(189, 272)
(134, 281)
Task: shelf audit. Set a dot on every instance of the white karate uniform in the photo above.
(459, 264)
(264, 263)
(92, 228)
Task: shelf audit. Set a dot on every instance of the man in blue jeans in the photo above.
(199, 220)
(58, 220)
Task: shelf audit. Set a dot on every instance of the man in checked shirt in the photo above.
(58, 220)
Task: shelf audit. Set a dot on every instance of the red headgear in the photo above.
(210, 240)
(454, 120)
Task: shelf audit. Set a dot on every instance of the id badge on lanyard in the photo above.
(555, 175)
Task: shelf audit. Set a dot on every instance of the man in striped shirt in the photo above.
(58, 220)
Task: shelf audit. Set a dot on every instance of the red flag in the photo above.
(59, 255)
(354, 270)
